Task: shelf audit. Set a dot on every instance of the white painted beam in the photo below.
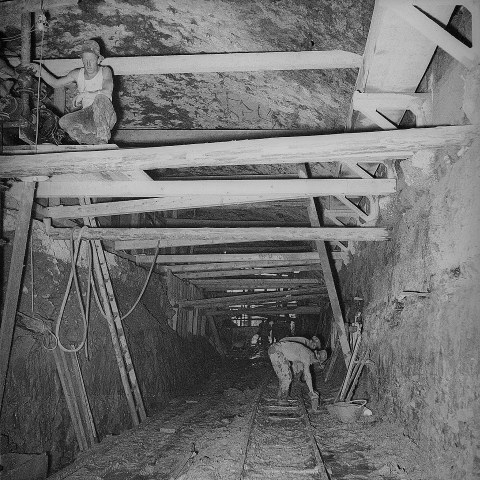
(179, 188)
(355, 147)
(438, 35)
(217, 62)
(187, 202)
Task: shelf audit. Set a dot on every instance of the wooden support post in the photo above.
(216, 336)
(314, 214)
(12, 293)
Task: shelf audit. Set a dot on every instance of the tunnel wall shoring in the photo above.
(34, 417)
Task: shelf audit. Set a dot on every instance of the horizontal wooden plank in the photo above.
(245, 272)
(306, 310)
(248, 298)
(217, 62)
(168, 237)
(157, 136)
(216, 261)
(51, 148)
(247, 284)
(163, 204)
(355, 147)
(178, 188)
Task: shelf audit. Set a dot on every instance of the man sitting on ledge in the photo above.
(93, 123)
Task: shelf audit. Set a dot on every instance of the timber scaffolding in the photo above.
(400, 46)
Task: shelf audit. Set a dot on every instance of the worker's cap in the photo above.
(91, 46)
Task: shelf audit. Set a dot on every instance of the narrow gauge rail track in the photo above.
(280, 441)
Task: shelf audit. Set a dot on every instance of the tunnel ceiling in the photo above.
(315, 100)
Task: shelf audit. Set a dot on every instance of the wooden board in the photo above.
(347, 147)
(130, 238)
(217, 62)
(181, 188)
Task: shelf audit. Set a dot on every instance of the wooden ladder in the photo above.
(122, 352)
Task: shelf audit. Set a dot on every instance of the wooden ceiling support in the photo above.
(218, 62)
(130, 238)
(226, 261)
(310, 310)
(249, 272)
(180, 188)
(23, 6)
(244, 298)
(354, 147)
(15, 274)
(251, 283)
(314, 214)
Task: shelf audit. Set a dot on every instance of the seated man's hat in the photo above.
(93, 47)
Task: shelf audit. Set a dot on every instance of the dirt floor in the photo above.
(205, 434)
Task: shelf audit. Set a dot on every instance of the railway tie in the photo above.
(281, 443)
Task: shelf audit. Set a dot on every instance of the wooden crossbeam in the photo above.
(222, 261)
(360, 146)
(187, 202)
(244, 299)
(307, 310)
(178, 188)
(218, 62)
(130, 238)
(245, 272)
(246, 284)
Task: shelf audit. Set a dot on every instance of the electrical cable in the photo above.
(73, 278)
(145, 284)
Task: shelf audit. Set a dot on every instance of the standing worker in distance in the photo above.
(92, 124)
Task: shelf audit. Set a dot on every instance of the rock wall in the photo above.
(34, 417)
(425, 349)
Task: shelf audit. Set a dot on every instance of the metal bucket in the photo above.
(347, 412)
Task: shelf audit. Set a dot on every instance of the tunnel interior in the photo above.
(133, 361)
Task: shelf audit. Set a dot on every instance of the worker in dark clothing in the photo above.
(280, 329)
(264, 332)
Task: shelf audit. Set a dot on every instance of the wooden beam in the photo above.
(221, 261)
(316, 148)
(435, 33)
(314, 214)
(243, 299)
(307, 310)
(247, 284)
(217, 62)
(163, 204)
(158, 137)
(220, 267)
(258, 272)
(130, 238)
(178, 188)
(15, 273)
(50, 148)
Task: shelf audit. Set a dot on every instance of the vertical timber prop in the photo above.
(120, 346)
(12, 293)
(314, 214)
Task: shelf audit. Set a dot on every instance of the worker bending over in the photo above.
(93, 123)
(295, 355)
